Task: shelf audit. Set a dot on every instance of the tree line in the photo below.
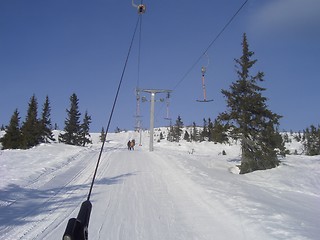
(210, 131)
(310, 139)
(35, 130)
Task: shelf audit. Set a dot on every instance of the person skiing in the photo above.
(129, 145)
(133, 142)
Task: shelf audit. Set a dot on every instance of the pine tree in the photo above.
(12, 138)
(102, 135)
(45, 122)
(210, 130)
(218, 132)
(195, 133)
(186, 136)
(312, 141)
(249, 118)
(177, 130)
(31, 128)
(85, 128)
(204, 135)
(170, 134)
(72, 129)
(161, 136)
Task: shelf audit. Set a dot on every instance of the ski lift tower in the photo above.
(153, 93)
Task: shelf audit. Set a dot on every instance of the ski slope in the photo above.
(179, 191)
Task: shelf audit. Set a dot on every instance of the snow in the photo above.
(178, 191)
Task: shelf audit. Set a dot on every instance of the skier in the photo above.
(129, 145)
(133, 142)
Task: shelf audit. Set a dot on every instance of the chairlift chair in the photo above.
(203, 72)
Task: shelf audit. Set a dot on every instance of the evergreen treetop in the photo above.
(177, 129)
(72, 129)
(31, 130)
(12, 138)
(45, 122)
(85, 127)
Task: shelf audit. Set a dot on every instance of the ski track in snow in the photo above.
(165, 194)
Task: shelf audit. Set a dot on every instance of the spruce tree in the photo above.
(31, 128)
(210, 130)
(204, 135)
(85, 127)
(170, 135)
(186, 136)
(249, 118)
(102, 135)
(312, 141)
(177, 130)
(72, 129)
(219, 132)
(195, 133)
(12, 138)
(161, 136)
(45, 122)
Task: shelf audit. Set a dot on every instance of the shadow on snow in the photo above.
(19, 205)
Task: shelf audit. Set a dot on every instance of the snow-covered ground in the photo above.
(178, 191)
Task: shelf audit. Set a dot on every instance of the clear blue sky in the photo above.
(61, 47)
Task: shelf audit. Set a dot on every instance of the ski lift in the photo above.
(167, 106)
(203, 72)
(144, 99)
(141, 7)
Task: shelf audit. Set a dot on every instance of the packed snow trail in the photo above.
(147, 201)
(140, 196)
(48, 199)
(165, 194)
(137, 195)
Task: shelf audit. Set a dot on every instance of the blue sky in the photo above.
(61, 47)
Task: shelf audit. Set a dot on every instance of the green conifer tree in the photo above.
(161, 136)
(177, 130)
(249, 118)
(85, 128)
(72, 129)
(170, 134)
(102, 135)
(204, 135)
(195, 136)
(45, 122)
(210, 130)
(312, 141)
(219, 132)
(31, 128)
(12, 138)
(186, 136)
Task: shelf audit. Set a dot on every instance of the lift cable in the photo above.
(210, 45)
(141, 10)
(140, 35)
(77, 228)
(139, 51)
(113, 107)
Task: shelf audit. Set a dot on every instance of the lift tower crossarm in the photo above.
(153, 93)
